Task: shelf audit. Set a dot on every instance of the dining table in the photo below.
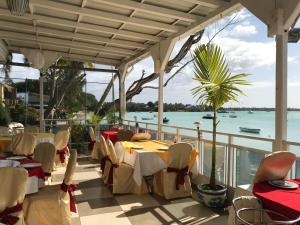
(149, 157)
(36, 175)
(283, 201)
(111, 135)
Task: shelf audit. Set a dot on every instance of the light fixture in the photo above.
(17, 7)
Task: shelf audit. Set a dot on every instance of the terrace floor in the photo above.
(97, 205)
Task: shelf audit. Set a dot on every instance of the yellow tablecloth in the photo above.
(4, 142)
(154, 146)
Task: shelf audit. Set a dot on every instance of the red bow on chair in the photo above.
(102, 163)
(7, 218)
(62, 153)
(181, 173)
(111, 172)
(70, 188)
(91, 145)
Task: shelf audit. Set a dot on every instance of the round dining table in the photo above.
(36, 175)
(111, 135)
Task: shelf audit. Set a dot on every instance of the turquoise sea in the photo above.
(258, 119)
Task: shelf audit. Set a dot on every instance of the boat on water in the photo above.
(207, 116)
(250, 112)
(232, 116)
(165, 120)
(250, 130)
(222, 111)
(147, 118)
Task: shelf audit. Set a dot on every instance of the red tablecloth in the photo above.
(36, 171)
(284, 201)
(112, 135)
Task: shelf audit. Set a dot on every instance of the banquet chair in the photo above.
(61, 140)
(141, 137)
(103, 154)
(53, 204)
(275, 166)
(174, 181)
(125, 135)
(120, 175)
(23, 144)
(248, 210)
(12, 194)
(93, 139)
(45, 154)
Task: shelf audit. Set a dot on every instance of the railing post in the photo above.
(178, 139)
(230, 162)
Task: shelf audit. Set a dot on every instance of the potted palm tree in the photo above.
(217, 86)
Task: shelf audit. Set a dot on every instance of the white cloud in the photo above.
(243, 30)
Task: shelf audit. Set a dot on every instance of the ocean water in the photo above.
(263, 120)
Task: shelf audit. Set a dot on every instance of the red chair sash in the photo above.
(181, 173)
(7, 218)
(102, 163)
(62, 153)
(91, 145)
(111, 171)
(70, 188)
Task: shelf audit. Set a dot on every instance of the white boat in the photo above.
(232, 116)
(147, 118)
(250, 130)
(250, 112)
(208, 116)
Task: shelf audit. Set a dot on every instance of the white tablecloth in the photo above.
(144, 163)
(33, 184)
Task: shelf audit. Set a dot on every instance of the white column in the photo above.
(160, 112)
(42, 122)
(122, 92)
(281, 92)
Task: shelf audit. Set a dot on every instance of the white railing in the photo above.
(237, 155)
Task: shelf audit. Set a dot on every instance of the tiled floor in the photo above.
(97, 205)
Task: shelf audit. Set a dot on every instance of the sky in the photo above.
(247, 50)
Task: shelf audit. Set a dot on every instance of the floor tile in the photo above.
(114, 218)
(97, 206)
(189, 211)
(86, 175)
(129, 202)
(151, 216)
(91, 183)
(92, 193)
(76, 221)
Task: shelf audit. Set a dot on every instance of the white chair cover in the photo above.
(164, 182)
(92, 134)
(61, 140)
(12, 191)
(45, 154)
(23, 144)
(51, 205)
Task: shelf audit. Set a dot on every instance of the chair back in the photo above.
(23, 144)
(125, 135)
(61, 139)
(92, 134)
(179, 155)
(103, 147)
(275, 166)
(14, 188)
(141, 136)
(112, 153)
(71, 167)
(45, 154)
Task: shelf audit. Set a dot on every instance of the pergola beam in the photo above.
(155, 10)
(84, 26)
(97, 14)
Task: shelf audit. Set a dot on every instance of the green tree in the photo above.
(217, 86)
(4, 116)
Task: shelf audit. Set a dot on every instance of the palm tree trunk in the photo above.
(212, 182)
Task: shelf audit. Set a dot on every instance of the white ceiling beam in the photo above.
(154, 10)
(98, 14)
(83, 26)
(75, 57)
(197, 26)
(208, 3)
(64, 43)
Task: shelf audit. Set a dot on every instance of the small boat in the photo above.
(250, 112)
(147, 118)
(166, 120)
(222, 111)
(250, 130)
(232, 116)
(207, 116)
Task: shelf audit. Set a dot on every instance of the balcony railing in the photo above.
(238, 156)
